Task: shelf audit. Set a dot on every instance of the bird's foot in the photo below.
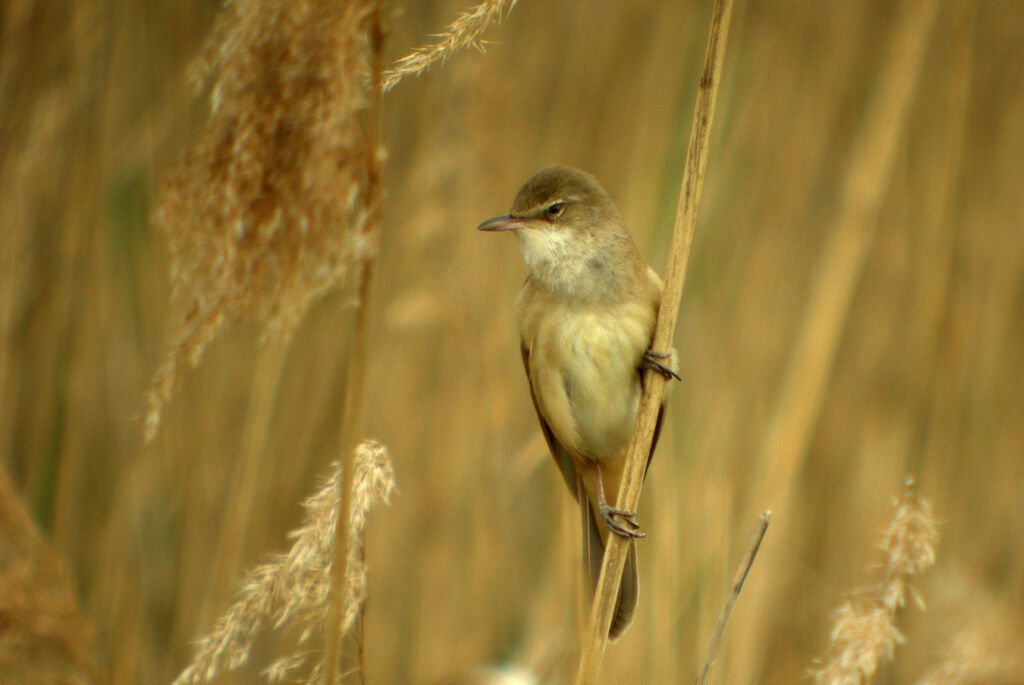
(627, 529)
(650, 360)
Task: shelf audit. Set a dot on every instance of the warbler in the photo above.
(586, 317)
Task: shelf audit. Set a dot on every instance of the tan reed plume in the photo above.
(293, 589)
(461, 33)
(864, 630)
(268, 208)
(970, 659)
(44, 638)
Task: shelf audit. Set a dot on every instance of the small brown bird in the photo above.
(586, 318)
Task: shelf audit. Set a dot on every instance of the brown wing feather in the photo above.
(558, 452)
(561, 456)
(654, 438)
(593, 548)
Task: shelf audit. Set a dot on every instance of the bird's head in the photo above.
(566, 224)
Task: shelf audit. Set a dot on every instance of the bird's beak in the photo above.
(505, 222)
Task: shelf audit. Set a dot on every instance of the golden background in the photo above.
(853, 316)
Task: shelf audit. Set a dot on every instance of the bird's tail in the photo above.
(593, 554)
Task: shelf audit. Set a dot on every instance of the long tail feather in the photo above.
(593, 555)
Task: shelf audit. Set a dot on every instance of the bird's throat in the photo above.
(571, 268)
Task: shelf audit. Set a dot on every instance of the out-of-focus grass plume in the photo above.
(267, 209)
(43, 637)
(840, 329)
(865, 632)
(292, 589)
(463, 32)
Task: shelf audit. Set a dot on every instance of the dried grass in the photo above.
(461, 33)
(865, 633)
(925, 367)
(866, 178)
(293, 589)
(44, 639)
(969, 660)
(269, 207)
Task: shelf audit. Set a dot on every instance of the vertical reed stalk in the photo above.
(357, 355)
(250, 465)
(654, 384)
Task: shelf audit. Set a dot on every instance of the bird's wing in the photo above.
(561, 456)
(657, 424)
(593, 546)
(558, 451)
(654, 439)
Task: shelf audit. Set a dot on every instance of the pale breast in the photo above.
(583, 369)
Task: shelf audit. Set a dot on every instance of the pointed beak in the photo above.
(504, 222)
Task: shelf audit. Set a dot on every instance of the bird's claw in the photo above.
(650, 361)
(627, 529)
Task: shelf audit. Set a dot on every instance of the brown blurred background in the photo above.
(853, 316)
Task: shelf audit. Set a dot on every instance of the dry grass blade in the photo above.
(265, 211)
(654, 386)
(737, 585)
(864, 185)
(463, 32)
(293, 588)
(337, 616)
(864, 632)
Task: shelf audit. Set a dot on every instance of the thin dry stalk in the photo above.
(250, 470)
(293, 589)
(461, 33)
(865, 182)
(737, 585)
(373, 199)
(864, 632)
(266, 210)
(352, 402)
(654, 384)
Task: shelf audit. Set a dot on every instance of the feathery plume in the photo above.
(269, 207)
(463, 32)
(864, 632)
(292, 589)
(971, 660)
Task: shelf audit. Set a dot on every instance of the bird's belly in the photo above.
(595, 357)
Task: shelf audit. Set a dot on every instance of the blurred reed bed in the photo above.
(476, 550)
(278, 201)
(45, 639)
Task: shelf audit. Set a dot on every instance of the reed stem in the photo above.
(654, 384)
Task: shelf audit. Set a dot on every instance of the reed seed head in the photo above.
(272, 205)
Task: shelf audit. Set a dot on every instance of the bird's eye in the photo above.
(554, 210)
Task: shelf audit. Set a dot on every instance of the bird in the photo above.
(586, 316)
